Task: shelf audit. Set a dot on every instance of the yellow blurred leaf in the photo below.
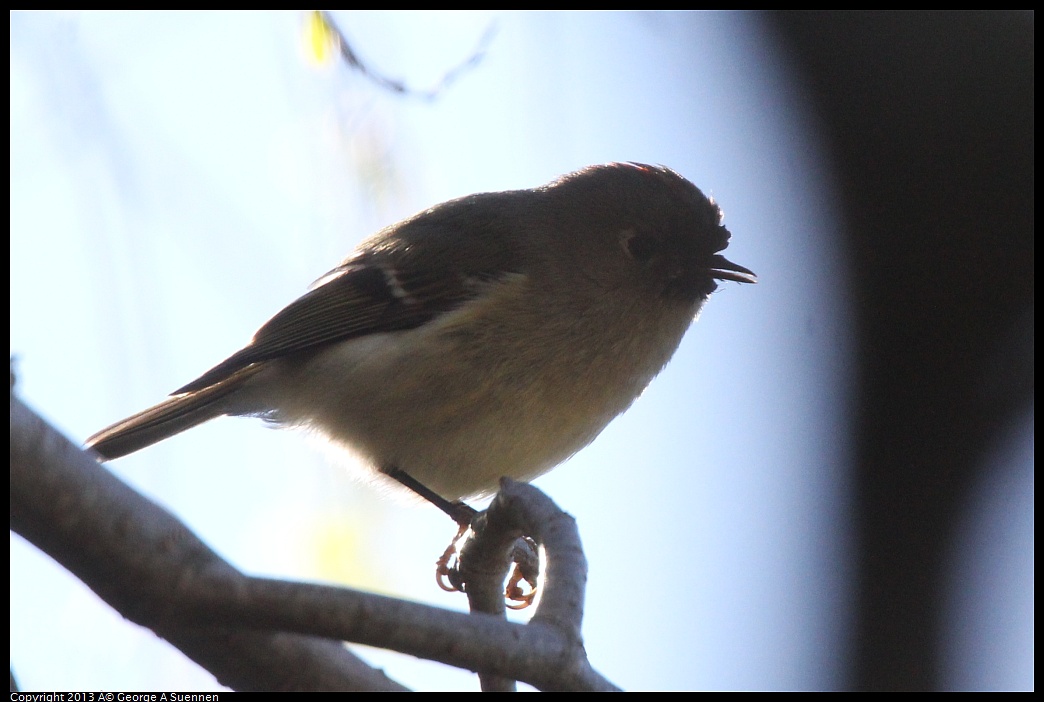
(320, 40)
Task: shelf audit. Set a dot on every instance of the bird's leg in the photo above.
(447, 577)
(459, 512)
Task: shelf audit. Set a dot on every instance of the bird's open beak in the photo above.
(724, 269)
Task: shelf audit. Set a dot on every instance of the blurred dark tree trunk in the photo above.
(928, 117)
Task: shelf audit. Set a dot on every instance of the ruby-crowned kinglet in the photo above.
(492, 335)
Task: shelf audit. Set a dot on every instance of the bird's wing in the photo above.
(352, 300)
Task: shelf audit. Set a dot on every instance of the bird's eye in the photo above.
(640, 247)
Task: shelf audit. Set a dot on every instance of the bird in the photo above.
(492, 335)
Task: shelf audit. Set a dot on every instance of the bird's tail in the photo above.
(172, 416)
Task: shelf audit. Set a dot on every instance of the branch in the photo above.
(256, 633)
(137, 557)
(325, 26)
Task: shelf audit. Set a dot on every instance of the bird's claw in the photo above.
(447, 575)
